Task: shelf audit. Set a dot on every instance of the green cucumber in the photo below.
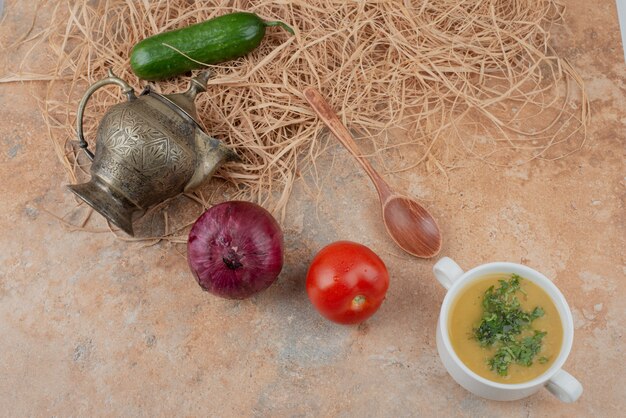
(216, 40)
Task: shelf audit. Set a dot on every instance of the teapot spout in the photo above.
(211, 153)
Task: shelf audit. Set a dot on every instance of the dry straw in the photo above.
(477, 75)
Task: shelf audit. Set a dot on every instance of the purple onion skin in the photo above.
(235, 249)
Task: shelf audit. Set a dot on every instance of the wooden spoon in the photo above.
(407, 222)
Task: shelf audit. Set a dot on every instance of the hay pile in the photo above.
(432, 68)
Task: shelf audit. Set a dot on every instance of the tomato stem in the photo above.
(358, 302)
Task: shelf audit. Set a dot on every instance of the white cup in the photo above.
(560, 383)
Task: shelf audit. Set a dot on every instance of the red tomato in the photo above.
(347, 282)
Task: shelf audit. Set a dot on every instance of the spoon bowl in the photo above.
(411, 226)
(407, 222)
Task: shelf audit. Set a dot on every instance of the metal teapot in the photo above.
(149, 148)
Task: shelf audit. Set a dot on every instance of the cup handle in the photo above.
(447, 271)
(565, 387)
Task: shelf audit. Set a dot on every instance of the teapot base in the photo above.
(113, 206)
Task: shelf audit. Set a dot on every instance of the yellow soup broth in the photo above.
(466, 314)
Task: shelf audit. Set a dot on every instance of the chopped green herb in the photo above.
(502, 323)
(543, 360)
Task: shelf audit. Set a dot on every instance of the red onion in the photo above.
(235, 249)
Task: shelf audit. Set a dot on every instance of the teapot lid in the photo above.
(185, 101)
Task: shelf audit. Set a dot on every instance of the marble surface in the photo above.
(92, 325)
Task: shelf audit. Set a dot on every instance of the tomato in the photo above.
(347, 282)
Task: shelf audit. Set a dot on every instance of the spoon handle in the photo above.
(330, 118)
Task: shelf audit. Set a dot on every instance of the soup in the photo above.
(487, 337)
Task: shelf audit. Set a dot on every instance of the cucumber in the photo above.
(216, 40)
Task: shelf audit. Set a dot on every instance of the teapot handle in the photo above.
(111, 79)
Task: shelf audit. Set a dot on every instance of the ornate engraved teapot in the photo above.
(148, 149)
